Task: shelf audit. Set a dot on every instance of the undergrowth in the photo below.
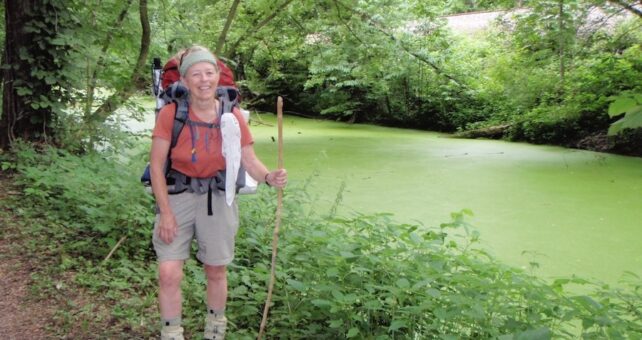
(363, 276)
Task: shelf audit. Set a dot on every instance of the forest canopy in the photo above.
(541, 71)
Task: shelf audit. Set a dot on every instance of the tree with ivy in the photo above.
(58, 56)
(35, 86)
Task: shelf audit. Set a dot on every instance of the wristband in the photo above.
(266, 180)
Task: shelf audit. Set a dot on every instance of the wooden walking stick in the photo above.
(277, 223)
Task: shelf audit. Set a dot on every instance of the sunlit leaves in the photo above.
(631, 107)
(624, 104)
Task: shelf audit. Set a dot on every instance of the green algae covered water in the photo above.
(571, 211)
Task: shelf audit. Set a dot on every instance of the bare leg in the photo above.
(216, 286)
(169, 293)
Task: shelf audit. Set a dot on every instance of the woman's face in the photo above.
(201, 80)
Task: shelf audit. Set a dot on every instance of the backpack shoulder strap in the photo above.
(180, 117)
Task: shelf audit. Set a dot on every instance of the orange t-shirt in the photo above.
(208, 158)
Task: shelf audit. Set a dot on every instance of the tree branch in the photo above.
(100, 63)
(111, 104)
(374, 24)
(228, 22)
(629, 7)
(232, 50)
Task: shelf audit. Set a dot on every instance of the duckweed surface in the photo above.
(571, 211)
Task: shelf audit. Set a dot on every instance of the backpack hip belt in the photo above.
(178, 183)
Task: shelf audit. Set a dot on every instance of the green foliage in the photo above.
(546, 125)
(94, 196)
(383, 62)
(73, 60)
(631, 107)
(369, 70)
(337, 277)
(462, 6)
(35, 79)
(369, 277)
(523, 88)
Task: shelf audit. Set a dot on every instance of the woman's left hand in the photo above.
(277, 178)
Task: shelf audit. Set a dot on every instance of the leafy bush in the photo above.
(95, 197)
(545, 125)
(368, 277)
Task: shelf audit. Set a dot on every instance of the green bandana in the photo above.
(196, 57)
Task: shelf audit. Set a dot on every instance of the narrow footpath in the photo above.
(22, 316)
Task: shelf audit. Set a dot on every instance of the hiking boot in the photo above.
(215, 327)
(172, 333)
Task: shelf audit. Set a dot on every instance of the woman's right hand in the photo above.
(167, 227)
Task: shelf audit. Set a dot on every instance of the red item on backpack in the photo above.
(171, 75)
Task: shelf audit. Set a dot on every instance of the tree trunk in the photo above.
(34, 64)
(562, 34)
(120, 96)
(228, 23)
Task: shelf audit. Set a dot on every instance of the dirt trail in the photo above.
(21, 316)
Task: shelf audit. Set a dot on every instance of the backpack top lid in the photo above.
(171, 75)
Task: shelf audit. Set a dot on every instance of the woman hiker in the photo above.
(200, 211)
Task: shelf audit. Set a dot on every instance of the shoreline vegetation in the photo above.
(362, 276)
(599, 141)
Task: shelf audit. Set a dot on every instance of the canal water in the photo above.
(570, 211)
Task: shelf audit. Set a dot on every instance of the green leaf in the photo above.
(300, 286)
(588, 303)
(321, 303)
(396, 325)
(535, 334)
(50, 79)
(621, 105)
(332, 272)
(372, 304)
(433, 292)
(239, 291)
(347, 254)
(7, 165)
(23, 91)
(630, 121)
(403, 283)
(336, 323)
(352, 332)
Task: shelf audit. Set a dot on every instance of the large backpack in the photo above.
(167, 89)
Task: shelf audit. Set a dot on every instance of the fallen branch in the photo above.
(493, 132)
(122, 239)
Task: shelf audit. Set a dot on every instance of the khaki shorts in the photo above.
(214, 234)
